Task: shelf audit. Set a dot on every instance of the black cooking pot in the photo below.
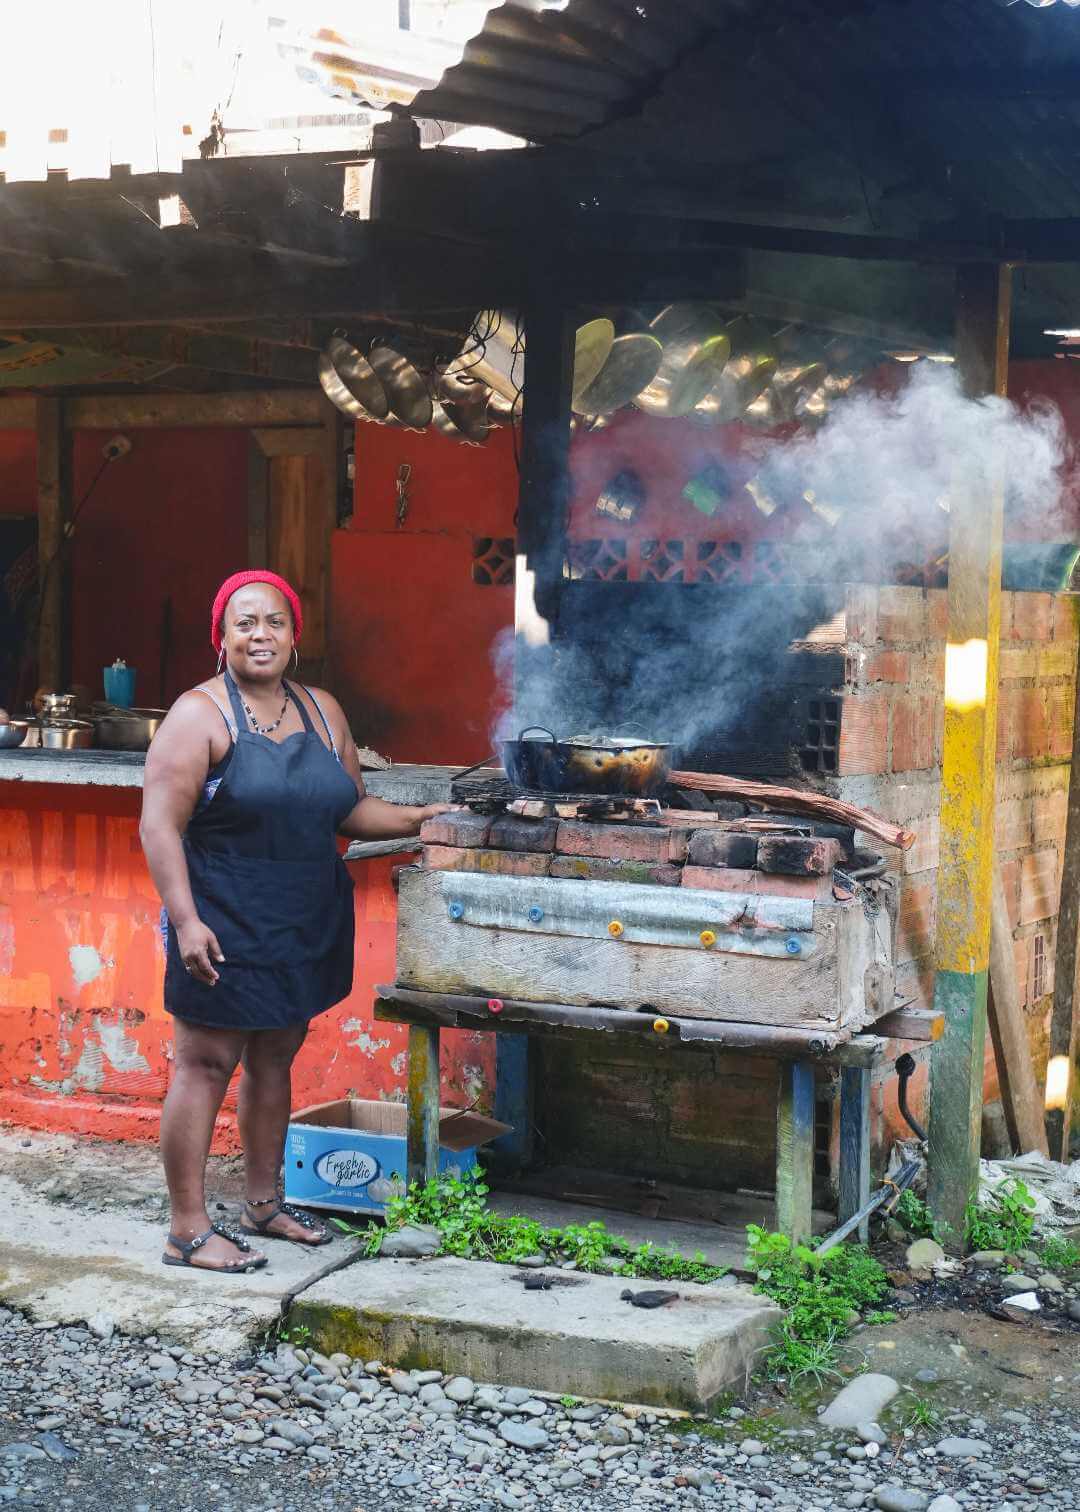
(606, 764)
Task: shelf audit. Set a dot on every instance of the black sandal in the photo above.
(260, 1226)
(187, 1248)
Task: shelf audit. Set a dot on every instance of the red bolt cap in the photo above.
(495, 1005)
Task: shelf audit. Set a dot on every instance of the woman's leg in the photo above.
(263, 1108)
(205, 1060)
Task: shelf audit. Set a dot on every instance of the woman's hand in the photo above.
(199, 949)
(431, 810)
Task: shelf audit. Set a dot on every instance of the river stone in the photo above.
(1050, 1283)
(987, 1259)
(1073, 1310)
(923, 1255)
(871, 1433)
(20, 1451)
(404, 1385)
(944, 1504)
(963, 1448)
(523, 1435)
(102, 1325)
(900, 1499)
(860, 1401)
(291, 1432)
(1013, 1285)
(413, 1242)
(460, 1390)
(56, 1449)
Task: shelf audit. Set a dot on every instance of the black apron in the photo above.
(267, 878)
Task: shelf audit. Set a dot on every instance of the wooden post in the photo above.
(258, 504)
(795, 1151)
(854, 1145)
(54, 447)
(544, 486)
(1065, 1017)
(513, 1100)
(422, 1140)
(1020, 1097)
(965, 869)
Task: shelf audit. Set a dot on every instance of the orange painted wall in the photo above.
(84, 1038)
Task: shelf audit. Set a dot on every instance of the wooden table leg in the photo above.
(855, 1145)
(422, 1140)
(513, 1101)
(795, 1150)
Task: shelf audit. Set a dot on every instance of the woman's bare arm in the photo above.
(176, 766)
(372, 818)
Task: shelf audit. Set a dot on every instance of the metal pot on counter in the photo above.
(586, 763)
(125, 729)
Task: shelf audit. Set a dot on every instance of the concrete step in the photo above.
(468, 1317)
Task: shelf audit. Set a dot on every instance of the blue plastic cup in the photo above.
(120, 686)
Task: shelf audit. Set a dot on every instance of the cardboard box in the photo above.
(350, 1154)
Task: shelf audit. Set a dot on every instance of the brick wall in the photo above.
(890, 760)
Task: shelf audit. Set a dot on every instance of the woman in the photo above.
(248, 782)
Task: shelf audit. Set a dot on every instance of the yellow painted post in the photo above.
(965, 868)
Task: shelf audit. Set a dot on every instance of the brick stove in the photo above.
(739, 918)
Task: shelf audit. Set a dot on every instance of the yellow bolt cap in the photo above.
(708, 937)
(615, 928)
(661, 1026)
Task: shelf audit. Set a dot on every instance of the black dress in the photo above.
(267, 878)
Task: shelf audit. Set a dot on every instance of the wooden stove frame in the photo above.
(800, 1052)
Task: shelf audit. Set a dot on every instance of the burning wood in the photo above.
(796, 801)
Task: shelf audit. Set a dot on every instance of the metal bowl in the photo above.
(696, 349)
(350, 382)
(12, 735)
(632, 364)
(405, 389)
(67, 735)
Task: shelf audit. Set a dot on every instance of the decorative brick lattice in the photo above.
(598, 561)
(493, 561)
(718, 561)
(819, 751)
(662, 561)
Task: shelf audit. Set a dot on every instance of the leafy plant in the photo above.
(818, 1292)
(1060, 1254)
(457, 1206)
(1005, 1222)
(920, 1412)
(914, 1214)
(798, 1359)
(876, 1316)
(569, 1402)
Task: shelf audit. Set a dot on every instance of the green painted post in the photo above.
(795, 1151)
(422, 1140)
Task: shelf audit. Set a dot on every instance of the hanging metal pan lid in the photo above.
(406, 391)
(696, 347)
(592, 347)
(632, 364)
(350, 382)
(461, 422)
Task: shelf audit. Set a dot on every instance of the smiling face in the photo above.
(258, 633)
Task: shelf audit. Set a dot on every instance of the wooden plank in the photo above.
(422, 1136)
(1012, 1050)
(436, 953)
(258, 505)
(854, 1176)
(18, 412)
(965, 872)
(290, 441)
(397, 1004)
(297, 540)
(795, 1151)
(54, 469)
(514, 1101)
(244, 408)
(1065, 1014)
(921, 1024)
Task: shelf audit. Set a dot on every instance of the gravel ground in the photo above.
(136, 1425)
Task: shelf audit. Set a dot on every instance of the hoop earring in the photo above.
(296, 659)
(220, 660)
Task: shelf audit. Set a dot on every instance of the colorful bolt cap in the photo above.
(793, 946)
(661, 1026)
(708, 937)
(536, 913)
(495, 1005)
(615, 929)
(456, 910)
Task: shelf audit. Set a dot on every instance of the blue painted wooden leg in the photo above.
(795, 1150)
(513, 1100)
(854, 1180)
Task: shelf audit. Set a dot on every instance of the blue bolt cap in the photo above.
(793, 946)
(456, 910)
(536, 913)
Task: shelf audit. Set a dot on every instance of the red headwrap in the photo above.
(241, 580)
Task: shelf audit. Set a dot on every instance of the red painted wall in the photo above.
(18, 482)
(85, 1043)
(412, 633)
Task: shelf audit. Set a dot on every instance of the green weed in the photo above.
(457, 1206)
(1060, 1254)
(916, 1217)
(920, 1412)
(876, 1316)
(569, 1402)
(796, 1359)
(1005, 1223)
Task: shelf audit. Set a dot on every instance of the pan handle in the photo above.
(491, 760)
(552, 740)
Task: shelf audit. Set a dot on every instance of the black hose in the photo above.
(905, 1068)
